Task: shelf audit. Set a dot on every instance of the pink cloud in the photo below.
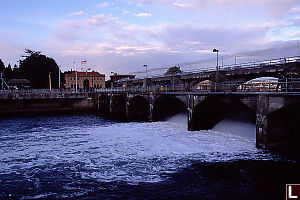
(102, 5)
(99, 20)
(79, 13)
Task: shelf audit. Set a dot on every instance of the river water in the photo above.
(87, 157)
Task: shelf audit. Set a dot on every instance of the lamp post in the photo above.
(112, 79)
(75, 77)
(146, 74)
(298, 49)
(59, 77)
(50, 81)
(216, 50)
(235, 60)
(146, 71)
(217, 76)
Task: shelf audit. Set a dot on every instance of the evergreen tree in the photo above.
(173, 70)
(15, 72)
(8, 73)
(2, 66)
(36, 67)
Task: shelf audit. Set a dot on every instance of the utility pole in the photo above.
(50, 81)
(298, 49)
(2, 80)
(59, 77)
(217, 76)
(222, 63)
(75, 77)
(146, 75)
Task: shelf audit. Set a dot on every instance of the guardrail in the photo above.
(272, 85)
(47, 91)
(231, 67)
(287, 85)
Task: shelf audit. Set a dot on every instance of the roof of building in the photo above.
(18, 81)
(122, 75)
(86, 73)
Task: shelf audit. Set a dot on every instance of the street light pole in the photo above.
(59, 77)
(75, 77)
(235, 57)
(217, 76)
(216, 50)
(146, 71)
(298, 49)
(2, 80)
(235, 61)
(146, 75)
(112, 79)
(50, 81)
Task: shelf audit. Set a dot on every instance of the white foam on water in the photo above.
(243, 129)
(131, 152)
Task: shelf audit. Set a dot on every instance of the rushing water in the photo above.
(67, 156)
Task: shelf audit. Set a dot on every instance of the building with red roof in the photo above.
(85, 80)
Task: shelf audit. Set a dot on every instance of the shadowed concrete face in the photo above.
(284, 126)
(104, 105)
(167, 106)
(213, 110)
(139, 109)
(118, 108)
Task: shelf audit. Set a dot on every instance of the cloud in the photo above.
(127, 45)
(294, 10)
(125, 11)
(271, 8)
(79, 13)
(102, 5)
(99, 20)
(182, 5)
(66, 32)
(143, 15)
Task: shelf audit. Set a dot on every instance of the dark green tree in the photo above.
(173, 70)
(2, 66)
(8, 73)
(15, 73)
(36, 67)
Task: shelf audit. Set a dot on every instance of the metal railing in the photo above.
(286, 85)
(231, 67)
(46, 91)
(272, 85)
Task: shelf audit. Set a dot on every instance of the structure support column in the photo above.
(110, 103)
(190, 119)
(151, 106)
(261, 130)
(127, 107)
(262, 122)
(190, 112)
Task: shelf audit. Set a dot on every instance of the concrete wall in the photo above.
(30, 107)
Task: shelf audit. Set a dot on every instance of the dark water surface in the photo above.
(86, 157)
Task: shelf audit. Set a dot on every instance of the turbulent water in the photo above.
(51, 156)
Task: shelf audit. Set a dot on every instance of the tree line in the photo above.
(35, 67)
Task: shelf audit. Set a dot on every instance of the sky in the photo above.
(124, 35)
